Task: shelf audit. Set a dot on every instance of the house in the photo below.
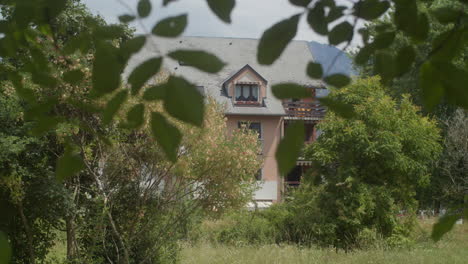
(244, 87)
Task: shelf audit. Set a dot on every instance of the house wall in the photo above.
(271, 135)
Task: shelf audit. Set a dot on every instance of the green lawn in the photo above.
(452, 249)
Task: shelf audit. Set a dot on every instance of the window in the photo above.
(256, 126)
(258, 175)
(247, 92)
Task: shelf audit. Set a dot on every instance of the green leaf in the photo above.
(404, 60)
(106, 69)
(126, 18)
(303, 3)
(364, 54)
(183, 101)
(448, 44)
(370, 9)
(316, 19)
(135, 117)
(454, 81)
(384, 40)
(113, 106)
(338, 80)
(275, 39)
(45, 124)
(430, 85)
(338, 107)
(444, 225)
(144, 8)
(385, 66)
(143, 72)
(5, 249)
(290, 90)
(290, 147)
(341, 33)
(73, 77)
(201, 60)
(446, 14)
(132, 46)
(171, 27)
(166, 134)
(406, 16)
(422, 28)
(69, 164)
(222, 8)
(314, 70)
(157, 92)
(335, 13)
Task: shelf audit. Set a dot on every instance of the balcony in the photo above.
(304, 110)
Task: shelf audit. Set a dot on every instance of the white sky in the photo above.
(249, 17)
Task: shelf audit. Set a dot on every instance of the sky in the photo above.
(250, 18)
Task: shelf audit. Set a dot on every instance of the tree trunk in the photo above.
(71, 238)
(29, 236)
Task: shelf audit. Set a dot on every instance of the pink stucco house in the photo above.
(244, 87)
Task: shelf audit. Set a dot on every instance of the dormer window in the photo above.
(247, 92)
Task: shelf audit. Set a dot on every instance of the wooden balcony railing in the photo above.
(312, 110)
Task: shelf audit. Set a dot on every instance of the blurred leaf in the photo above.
(166, 134)
(290, 147)
(106, 69)
(201, 60)
(171, 27)
(5, 249)
(45, 124)
(73, 77)
(383, 40)
(143, 72)
(422, 28)
(108, 32)
(385, 66)
(314, 70)
(113, 106)
(364, 54)
(290, 90)
(69, 164)
(404, 60)
(444, 225)
(275, 39)
(132, 46)
(316, 19)
(135, 117)
(341, 33)
(126, 18)
(338, 80)
(370, 9)
(222, 8)
(406, 16)
(430, 85)
(183, 101)
(448, 44)
(446, 14)
(303, 3)
(454, 81)
(335, 13)
(338, 107)
(157, 92)
(144, 8)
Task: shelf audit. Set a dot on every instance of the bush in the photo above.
(236, 228)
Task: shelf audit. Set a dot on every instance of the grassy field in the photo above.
(452, 249)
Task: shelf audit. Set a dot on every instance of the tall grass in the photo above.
(452, 249)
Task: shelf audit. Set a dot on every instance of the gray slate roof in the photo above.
(236, 53)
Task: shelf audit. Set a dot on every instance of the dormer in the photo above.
(246, 87)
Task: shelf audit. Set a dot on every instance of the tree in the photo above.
(370, 165)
